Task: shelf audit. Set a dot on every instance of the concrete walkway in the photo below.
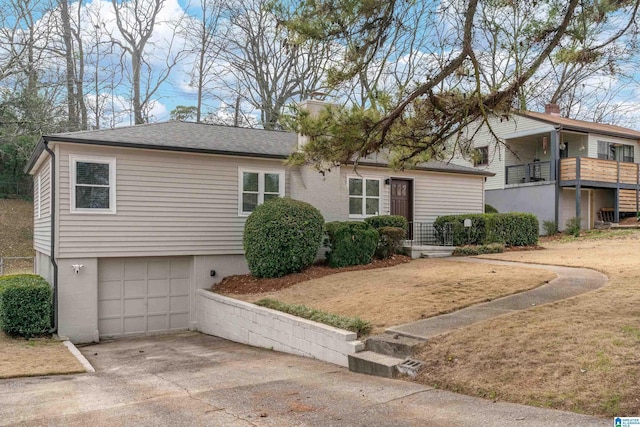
(569, 282)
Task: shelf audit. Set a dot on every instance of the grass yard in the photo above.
(581, 354)
(28, 358)
(407, 292)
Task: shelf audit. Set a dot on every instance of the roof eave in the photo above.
(431, 169)
(37, 152)
(580, 128)
(163, 147)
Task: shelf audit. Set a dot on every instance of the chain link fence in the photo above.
(19, 187)
(16, 265)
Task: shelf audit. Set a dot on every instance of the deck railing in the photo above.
(528, 172)
(598, 170)
(425, 234)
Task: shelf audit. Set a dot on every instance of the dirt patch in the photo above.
(16, 228)
(41, 356)
(408, 292)
(579, 354)
(247, 284)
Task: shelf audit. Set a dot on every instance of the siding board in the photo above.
(167, 204)
(42, 225)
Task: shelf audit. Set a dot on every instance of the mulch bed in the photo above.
(247, 284)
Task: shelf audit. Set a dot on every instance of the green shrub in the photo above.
(351, 243)
(390, 242)
(572, 227)
(511, 229)
(353, 324)
(550, 227)
(380, 221)
(282, 236)
(491, 248)
(26, 305)
(489, 209)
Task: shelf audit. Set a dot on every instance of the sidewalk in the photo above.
(569, 282)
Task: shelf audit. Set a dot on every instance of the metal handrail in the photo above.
(528, 172)
(426, 234)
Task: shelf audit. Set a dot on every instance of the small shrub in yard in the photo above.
(390, 242)
(353, 324)
(26, 305)
(550, 227)
(351, 243)
(572, 227)
(491, 248)
(380, 221)
(282, 236)
(489, 209)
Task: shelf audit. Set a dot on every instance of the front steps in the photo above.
(386, 355)
(428, 251)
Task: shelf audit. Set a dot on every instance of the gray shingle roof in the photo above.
(206, 138)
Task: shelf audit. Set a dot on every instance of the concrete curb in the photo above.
(83, 360)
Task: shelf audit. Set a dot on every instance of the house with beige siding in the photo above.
(130, 222)
(558, 168)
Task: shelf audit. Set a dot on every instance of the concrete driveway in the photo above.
(193, 379)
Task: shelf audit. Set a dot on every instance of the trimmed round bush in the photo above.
(26, 305)
(282, 236)
(351, 243)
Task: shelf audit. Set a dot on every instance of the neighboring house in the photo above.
(131, 221)
(558, 168)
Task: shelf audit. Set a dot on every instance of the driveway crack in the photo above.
(213, 408)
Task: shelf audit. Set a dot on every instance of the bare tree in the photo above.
(136, 21)
(266, 66)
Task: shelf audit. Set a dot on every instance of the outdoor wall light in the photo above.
(76, 268)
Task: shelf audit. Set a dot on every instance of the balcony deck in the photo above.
(598, 173)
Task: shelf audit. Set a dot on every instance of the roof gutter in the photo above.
(52, 258)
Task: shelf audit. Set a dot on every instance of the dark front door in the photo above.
(402, 199)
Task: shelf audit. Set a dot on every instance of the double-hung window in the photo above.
(364, 197)
(481, 157)
(93, 184)
(256, 187)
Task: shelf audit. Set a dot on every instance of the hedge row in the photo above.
(510, 229)
(26, 305)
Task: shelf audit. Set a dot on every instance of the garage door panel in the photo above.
(157, 323)
(110, 326)
(180, 303)
(110, 270)
(176, 321)
(159, 270)
(135, 288)
(135, 270)
(110, 290)
(158, 287)
(109, 308)
(134, 306)
(179, 286)
(143, 295)
(158, 305)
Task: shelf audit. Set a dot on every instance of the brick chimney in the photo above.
(314, 107)
(553, 109)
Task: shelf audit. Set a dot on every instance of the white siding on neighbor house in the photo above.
(167, 204)
(42, 223)
(435, 193)
(497, 152)
(593, 145)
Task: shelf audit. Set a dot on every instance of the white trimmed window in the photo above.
(256, 187)
(93, 184)
(364, 197)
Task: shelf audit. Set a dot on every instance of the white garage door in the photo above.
(142, 295)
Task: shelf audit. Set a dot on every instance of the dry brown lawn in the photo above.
(581, 354)
(407, 292)
(16, 228)
(28, 358)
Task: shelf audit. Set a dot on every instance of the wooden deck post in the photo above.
(555, 154)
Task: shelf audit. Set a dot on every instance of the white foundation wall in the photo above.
(78, 300)
(247, 323)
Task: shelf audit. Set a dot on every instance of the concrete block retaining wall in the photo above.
(247, 323)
